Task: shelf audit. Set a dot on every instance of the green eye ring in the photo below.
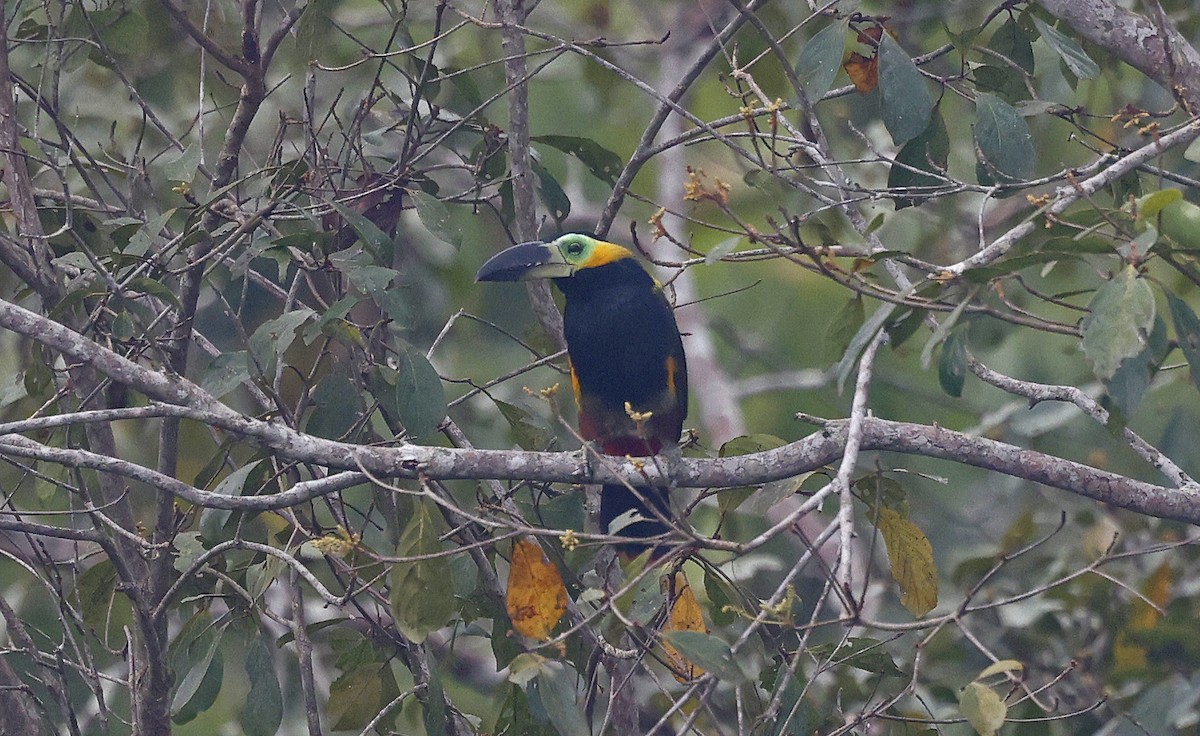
(574, 248)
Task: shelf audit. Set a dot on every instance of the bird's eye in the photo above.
(574, 248)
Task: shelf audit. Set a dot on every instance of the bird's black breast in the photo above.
(620, 332)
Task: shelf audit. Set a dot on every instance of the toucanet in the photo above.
(626, 357)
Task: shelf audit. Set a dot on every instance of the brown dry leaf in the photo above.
(686, 615)
(864, 70)
(536, 596)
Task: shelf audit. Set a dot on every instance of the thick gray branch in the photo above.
(1152, 46)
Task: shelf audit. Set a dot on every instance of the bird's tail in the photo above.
(617, 500)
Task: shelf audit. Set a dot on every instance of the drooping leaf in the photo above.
(376, 241)
(1003, 143)
(529, 429)
(226, 372)
(1132, 378)
(421, 599)
(730, 498)
(864, 653)
(708, 653)
(1072, 54)
(183, 167)
(601, 162)
(552, 194)
(264, 702)
(356, 696)
(685, 615)
(106, 610)
(199, 667)
(435, 216)
(820, 59)
(273, 337)
(1013, 43)
(906, 102)
(536, 598)
(554, 693)
(1119, 314)
(952, 366)
(911, 558)
(336, 406)
(420, 397)
(1187, 333)
(842, 327)
(1153, 203)
(928, 152)
(982, 708)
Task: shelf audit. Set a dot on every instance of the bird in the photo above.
(627, 365)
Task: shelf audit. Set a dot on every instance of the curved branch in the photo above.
(412, 461)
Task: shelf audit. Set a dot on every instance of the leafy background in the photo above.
(378, 170)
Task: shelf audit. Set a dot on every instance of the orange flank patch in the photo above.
(537, 597)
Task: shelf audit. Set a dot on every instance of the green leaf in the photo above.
(552, 194)
(866, 654)
(530, 430)
(106, 611)
(264, 702)
(1187, 334)
(336, 407)
(146, 235)
(1132, 378)
(199, 668)
(1013, 43)
(720, 250)
(273, 337)
(554, 692)
(601, 162)
(435, 216)
(1004, 665)
(906, 103)
(1072, 54)
(226, 372)
(146, 285)
(421, 598)
(928, 152)
(1004, 81)
(709, 653)
(1119, 314)
(821, 58)
(730, 498)
(722, 596)
(183, 167)
(842, 328)
(420, 403)
(952, 366)
(911, 558)
(313, 27)
(1151, 204)
(982, 708)
(1003, 143)
(358, 694)
(373, 239)
(1180, 223)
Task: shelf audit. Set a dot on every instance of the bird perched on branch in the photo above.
(627, 366)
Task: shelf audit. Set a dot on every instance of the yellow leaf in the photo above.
(686, 615)
(1129, 656)
(911, 557)
(536, 596)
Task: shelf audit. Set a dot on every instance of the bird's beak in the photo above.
(535, 260)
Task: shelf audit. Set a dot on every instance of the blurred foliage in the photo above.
(338, 297)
